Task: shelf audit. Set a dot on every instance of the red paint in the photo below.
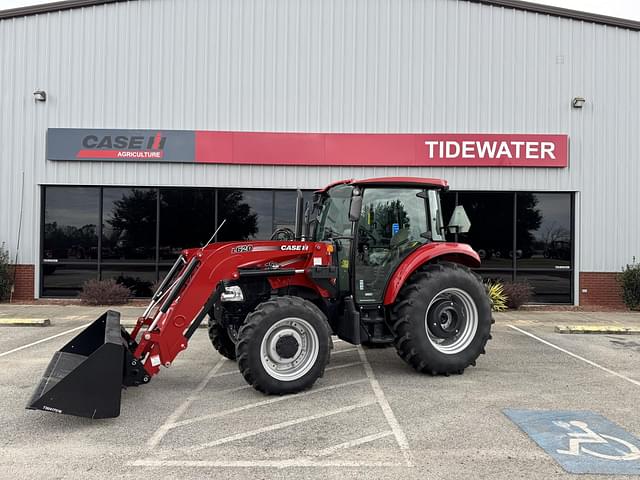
(359, 149)
(456, 252)
(219, 261)
(156, 141)
(121, 154)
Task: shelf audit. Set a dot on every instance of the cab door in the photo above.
(393, 223)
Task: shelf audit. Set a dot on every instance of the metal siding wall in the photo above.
(330, 66)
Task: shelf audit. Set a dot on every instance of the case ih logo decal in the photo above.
(123, 146)
(270, 148)
(297, 248)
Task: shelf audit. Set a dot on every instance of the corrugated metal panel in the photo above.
(330, 66)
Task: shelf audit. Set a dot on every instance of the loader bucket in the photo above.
(85, 377)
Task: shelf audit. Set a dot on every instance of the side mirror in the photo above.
(459, 222)
(356, 206)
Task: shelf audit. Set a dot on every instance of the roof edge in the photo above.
(563, 13)
(514, 4)
(51, 7)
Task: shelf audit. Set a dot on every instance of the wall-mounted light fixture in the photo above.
(577, 102)
(40, 95)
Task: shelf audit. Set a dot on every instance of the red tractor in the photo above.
(368, 262)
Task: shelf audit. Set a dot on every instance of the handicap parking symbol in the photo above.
(581, 441)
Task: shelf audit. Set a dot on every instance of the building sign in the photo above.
(331, 149)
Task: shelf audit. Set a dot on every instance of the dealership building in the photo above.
(131, 129)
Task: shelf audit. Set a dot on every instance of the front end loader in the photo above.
(368, 262)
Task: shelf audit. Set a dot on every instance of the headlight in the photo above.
(232, 294)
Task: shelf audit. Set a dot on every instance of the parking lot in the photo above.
(370, 416)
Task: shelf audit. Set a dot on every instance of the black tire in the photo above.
(221, 340)
(258, 327)
(450, 290)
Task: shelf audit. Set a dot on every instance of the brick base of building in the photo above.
(25, 282)
(600, 289)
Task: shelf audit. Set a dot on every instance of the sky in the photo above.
(629, 9)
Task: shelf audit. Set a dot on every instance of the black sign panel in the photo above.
(121, 145)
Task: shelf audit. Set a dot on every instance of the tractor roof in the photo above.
(392, 182)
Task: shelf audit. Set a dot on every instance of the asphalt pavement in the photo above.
(370, 416)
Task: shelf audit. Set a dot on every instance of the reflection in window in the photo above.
(187, 218)
(491, 233)
(140, 280)
(548, 287)
(70, 223)
(129, 224)
(249, 214)
(543, 230)
(66, 280)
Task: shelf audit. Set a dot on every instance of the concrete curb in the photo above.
(25, 322)
(596, 329)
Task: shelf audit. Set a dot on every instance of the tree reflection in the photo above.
(69, 241)
(241, 223)
(131, 231)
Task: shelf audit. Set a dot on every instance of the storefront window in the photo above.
(70, 224)
(491, 233)
(129, 224)
(543, 230)
(187, 220)
(139, 279)
(249, 214)
(60, 280)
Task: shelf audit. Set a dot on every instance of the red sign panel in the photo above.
(331, 149)
(415, 150)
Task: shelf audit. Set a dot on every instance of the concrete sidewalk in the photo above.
(82, 313)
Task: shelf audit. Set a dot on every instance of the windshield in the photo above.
(332, 218)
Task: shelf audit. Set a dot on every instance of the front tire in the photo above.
(221, 340)
(284, 345)
(442, 319)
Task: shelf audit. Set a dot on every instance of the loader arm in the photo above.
(198, 280)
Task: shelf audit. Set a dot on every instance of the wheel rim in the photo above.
(289, 349)
(451, 321)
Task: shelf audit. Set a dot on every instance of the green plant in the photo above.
(104, 292)
(6, 274)
(518, 293)
(630, 282)
(497, 296)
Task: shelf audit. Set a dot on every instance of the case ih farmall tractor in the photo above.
(368, 262)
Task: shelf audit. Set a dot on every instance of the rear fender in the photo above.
(448, 251)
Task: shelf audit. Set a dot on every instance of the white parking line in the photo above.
(287, 463)
(401, 438)
(261, 403)
(352, 443)
(278, 426)
(44, 340)
(590, 362)
(177, 413)
(345, 365)
(346, 350)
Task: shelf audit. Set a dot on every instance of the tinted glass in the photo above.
(448, 203)
(496, 276)
(139, 280)
(129, 224)
(284, 207)
(543, 230)
(249, 214)
(491, 233)
(548, 287)
(66, 280)
(70, 223)
(393, 222)
(187, 218)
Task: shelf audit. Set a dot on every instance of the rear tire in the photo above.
(221, 340)
(442, 319)
(284, 345)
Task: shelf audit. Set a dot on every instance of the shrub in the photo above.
(495, 291)
(518, 293)
(104, 292)
(6, 274)
(630, 282)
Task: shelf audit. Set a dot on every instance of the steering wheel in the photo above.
(285, 232)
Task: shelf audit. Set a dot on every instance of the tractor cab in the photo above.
(375, 224)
